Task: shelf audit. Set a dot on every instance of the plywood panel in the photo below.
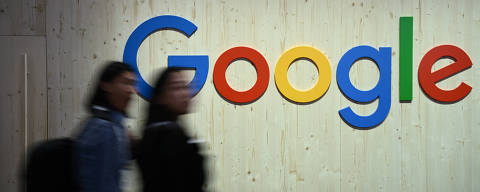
(22, 17)
(274, 144)
(14, 138)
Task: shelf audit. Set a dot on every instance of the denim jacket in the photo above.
(101, 151)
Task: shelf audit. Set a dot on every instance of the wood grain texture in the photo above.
(13, 118)
(22, 17)
(273, 144)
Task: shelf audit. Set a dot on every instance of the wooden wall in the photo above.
(273, 144)
(22, 17)
(23, 79)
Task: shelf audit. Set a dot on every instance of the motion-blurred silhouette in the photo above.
(167, 157)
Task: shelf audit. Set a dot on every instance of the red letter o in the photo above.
(258, 62)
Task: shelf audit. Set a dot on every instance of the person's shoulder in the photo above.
(96, 130)
(165, 129)
(162, 127)
(99, 125)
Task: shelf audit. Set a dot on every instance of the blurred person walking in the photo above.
(167, 157)
(102, 149)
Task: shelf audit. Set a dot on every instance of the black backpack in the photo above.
(50, 164)
(50, 167)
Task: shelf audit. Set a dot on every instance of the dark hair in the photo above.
(111, 70)
(159, 89)
(161, 81)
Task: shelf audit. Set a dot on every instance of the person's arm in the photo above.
(96, 159)
(134, 146)
(186, 164)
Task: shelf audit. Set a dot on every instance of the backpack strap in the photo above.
(101, 112)
(158, 124)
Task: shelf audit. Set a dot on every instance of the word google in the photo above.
(381, 57)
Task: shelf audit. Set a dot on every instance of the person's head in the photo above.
(114, 87)
(171, 91)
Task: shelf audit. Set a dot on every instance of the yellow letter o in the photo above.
(324, 74)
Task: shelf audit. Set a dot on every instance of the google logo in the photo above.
(381, 57)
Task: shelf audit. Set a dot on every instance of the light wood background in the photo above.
(23, 119)
(273, 144)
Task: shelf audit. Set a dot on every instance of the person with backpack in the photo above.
(168, 159)
(101, 149)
